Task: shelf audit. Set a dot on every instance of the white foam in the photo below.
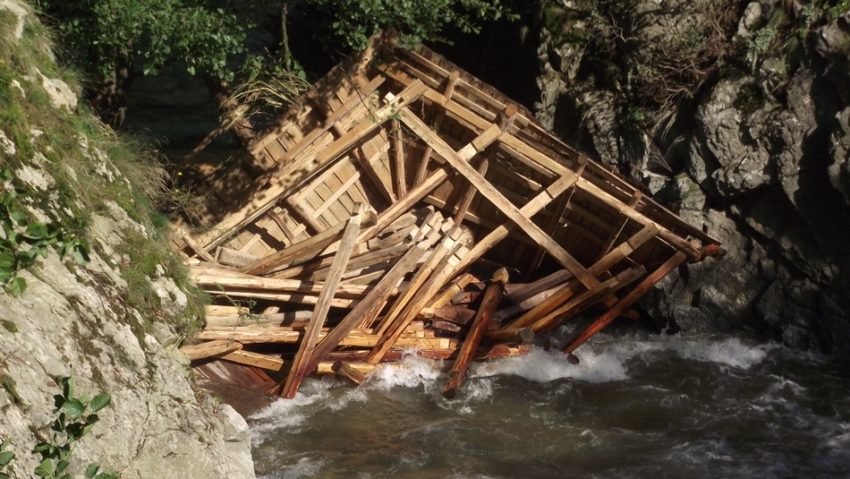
(305, 467)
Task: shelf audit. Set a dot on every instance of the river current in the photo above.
(636, 406)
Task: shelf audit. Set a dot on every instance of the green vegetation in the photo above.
(5, 458)
(25, 240)
(87, 167)
(76, 418)
(350, 23)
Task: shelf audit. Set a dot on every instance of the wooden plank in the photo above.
(469, 194)
(233, 257)
(534, 158)
(298, 298)
(497, 198)
(571, 288)
(454, 288)
(304, 250)
(399, 173)
(422, 274)
(329, 122)
(311, 335)
(257, 360)
(553, 223)
(489, 304)
(422, 298)
(280, 335)
(278, 182)
(212, 348)
(259, 283)
(448, 91)
(642, 288)
(521, 291)
(306, 215)
(347, 371)
(365, 312)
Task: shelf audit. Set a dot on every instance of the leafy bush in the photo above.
(350, 23)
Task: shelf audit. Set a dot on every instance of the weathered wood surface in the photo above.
(489, 304)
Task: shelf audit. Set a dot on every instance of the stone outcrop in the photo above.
(758, 153)
(75, 320)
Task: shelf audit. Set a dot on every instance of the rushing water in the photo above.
(663, 406)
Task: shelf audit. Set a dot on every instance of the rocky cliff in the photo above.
(738, 115)
(89, 289)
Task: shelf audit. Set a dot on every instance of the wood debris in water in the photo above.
(388, 193)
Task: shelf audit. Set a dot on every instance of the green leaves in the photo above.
(99, 402)
(23, 241)
(70, 426)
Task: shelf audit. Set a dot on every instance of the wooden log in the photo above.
(212, 348)
(286, 318)
(233, 257)
(259, 283)
(575, 305)
(492, 298)
(642, 288)
(282, 335)
(224, 310)
(347, 371)
(573, 287)
(469, 194)
(454, 288)
(311, 335)
(366, 311)
(454, 314)
(518, 292)
(422, 274)
(303, 251)
(422, 298)
(299, 298)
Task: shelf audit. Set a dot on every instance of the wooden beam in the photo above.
(422, 274)
(212, 348)
(347, 371)
(365, 312)
(469, 194)
(399, 173)
(278, 182)
(489, 304)
(448, 91)
(282, 335)
(642, 288)
(311, 335)
(497, 198)
(257, 360)
(572, 287)
(303, 251)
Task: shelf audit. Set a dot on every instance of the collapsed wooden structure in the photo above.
(403, 204)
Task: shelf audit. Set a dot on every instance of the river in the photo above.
(636, 406)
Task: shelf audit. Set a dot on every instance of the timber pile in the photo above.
(403, 204)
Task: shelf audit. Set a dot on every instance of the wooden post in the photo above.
(469, 194)
(633, 295)
(489, 304)
(422, 169)
(349, 372)
(311, 335)
(398, 160)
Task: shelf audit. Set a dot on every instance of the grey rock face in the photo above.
(764, 167)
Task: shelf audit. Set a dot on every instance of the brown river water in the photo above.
(635, 407)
